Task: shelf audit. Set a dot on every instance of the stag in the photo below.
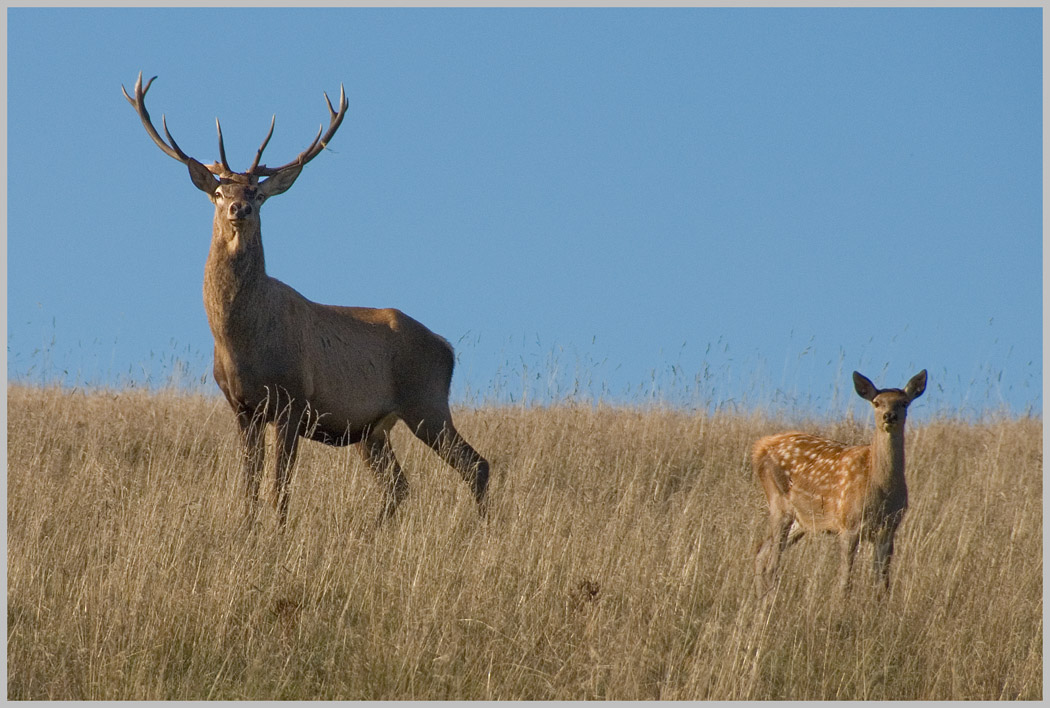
(822, 485)
(337, 375)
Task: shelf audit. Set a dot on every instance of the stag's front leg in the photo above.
(286, 449)
(252, 430)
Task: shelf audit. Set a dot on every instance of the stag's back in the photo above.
(395, 355)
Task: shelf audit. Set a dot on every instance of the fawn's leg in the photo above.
(767, 558)
(850, 541)
(881, 557)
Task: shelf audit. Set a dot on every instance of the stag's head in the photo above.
(238, 195)
(891, 404)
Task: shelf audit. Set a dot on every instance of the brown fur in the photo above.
(855, 492)
(339, 375)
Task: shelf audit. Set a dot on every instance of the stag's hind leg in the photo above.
(439, 433)
(376, 449)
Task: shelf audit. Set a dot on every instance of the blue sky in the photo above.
(706, 206)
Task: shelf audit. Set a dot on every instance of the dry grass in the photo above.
(616, 563)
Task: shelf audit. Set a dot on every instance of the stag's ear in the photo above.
(865, 388)
(202, 178)
(280, 181)
(916, 386)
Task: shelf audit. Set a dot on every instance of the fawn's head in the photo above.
(891, 404)
(237, 195)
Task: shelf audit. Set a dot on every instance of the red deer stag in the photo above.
(338, 375)
(822, 485)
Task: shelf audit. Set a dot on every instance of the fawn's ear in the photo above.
(202, 178)
(865, 388)
(916, 386)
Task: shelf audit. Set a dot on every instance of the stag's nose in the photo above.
(240, 210)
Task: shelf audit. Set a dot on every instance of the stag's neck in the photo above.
(234, 275)
(887, 458)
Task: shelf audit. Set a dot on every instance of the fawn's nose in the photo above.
(240, 210)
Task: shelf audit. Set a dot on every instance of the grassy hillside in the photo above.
(616, 563)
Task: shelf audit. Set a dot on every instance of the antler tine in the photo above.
(174, 145)
(139, 103)
(262, 147)
(335, 118)
(222, 149)
(320, 142)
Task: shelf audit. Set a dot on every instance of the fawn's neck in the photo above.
(887, 457)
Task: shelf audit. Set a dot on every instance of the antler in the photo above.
(222, 167)
(255, 163)
(319, 143)
(139, 102)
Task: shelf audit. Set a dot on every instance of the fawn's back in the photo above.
(820, 482)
